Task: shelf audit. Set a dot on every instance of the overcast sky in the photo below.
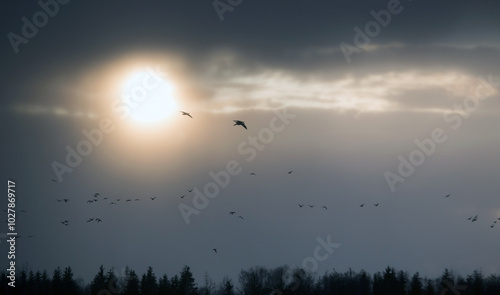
(367, 102)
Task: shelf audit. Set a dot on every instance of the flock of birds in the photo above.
(97, 196)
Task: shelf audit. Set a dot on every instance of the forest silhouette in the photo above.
(254, 281)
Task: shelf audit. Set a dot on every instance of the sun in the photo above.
(148, 96)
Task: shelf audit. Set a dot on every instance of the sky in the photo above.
(393, 103)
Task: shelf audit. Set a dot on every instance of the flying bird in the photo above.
(232, 213)
(190, 190)
(90, 219)
(312, 206)
(53, 180)
(112, 203)
(240, 217)
(136, 200)
(128, 200)
(98, 220)
(96, 195)
(186, 114)
(152, 198)
(238, 122)
(474, 219)
(252, 173)
(362, 205)
(182, 197)
(215, 250)
(376, 205)
(301, 205)
(492, 225)
(290, 172)
(324, 207)
(65, 200)
(59, 200)
(447, 196)
(90, 201)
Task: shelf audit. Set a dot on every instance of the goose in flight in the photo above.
(290, 172)
(190, 190)
(376, 205)
(112, 203)
(240, 217)
(492, 225)
(238, 122)
(447, 196)
(136, 200)
(182, 197)
(153, 198)
(186, 114)
(128, 200)
(252, 173)
(215, 250)
(53, 180)
(97, 195)
(58, 200)
(90, 201)
(301, 205)
(232, 213)
(65, 200)
(311, 206)
(474, 219)
(98, 220)
(324, 207)
(90, 219)
(362, 205)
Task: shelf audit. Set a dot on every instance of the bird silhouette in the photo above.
(112, 203)
(324, 207)
(362, 205)
(290, 172)
(474, 219)
(240, 217)
(469, 218)
(58, 200)
(136, 200)
(252, 173)
(492, 225)
(98, 220)
(152, 198)
(182, 197)
(128, 200)
(238, 122)
(190, 190)
(89, 220)
(312, 206)
(447, 196)
(53, 180)
(301, 205)
(232, 213)
(65, 200)
(376, 205)
(186, 114)
(90, 201)
(215, 250)
(97, 195)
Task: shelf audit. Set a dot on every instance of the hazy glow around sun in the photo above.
(148, 96)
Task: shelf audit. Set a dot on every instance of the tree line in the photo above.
(281, 280)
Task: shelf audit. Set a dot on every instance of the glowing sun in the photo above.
(148, 96)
